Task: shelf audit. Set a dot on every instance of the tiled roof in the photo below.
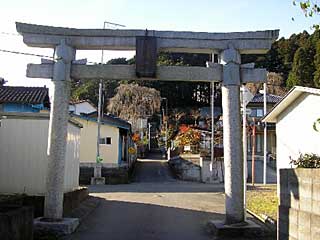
(31, 95)
(108, 119)
(258, 98)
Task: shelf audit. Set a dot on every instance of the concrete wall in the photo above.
(113, 173)
(88, 147)
(23, 154)
(295, 133)
(299, 208)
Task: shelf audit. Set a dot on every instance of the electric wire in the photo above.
(36, 55)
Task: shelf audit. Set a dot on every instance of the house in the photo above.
(81, 106)
(115, 140)
(255, 109)
(205, 116)
(23, 153)
(23, 99)
(294, 117)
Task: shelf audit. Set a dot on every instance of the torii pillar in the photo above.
(53, 221)
(58, 125)
(235, 223)
(232, 136)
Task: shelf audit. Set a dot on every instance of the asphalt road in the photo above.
(152, 169)
(155, 207)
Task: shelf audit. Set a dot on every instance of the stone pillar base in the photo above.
(65, 226)
(98, 181)
(248, 230)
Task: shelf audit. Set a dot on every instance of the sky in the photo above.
(178, 15)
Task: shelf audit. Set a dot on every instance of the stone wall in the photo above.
(186, 167)
(16, 223)
(299, 209)
(71, 200)
(113, 174)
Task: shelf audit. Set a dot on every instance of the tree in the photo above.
(316, 78)
(309, 8)
(89, 89)
(303, 67)
(132, 102)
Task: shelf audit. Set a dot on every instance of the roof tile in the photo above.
(31, 95)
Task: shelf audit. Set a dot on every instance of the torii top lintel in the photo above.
(258, 42)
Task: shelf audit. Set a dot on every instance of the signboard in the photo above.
(187, 148)
(143, 123)
(248, 111)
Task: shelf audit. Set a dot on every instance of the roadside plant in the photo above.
(307, 160)
(316, 125)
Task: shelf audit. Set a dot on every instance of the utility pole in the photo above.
(265, 136)
(212, 123)
(97, 179)
(149, 134)
(165, 113)
(253, 151)
(244, 139)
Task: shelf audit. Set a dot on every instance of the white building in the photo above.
(82, 106)
(114, 143)
(23, 153)
(295, 116)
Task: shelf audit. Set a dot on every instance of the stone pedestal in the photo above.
(65, 226)
(98, 179)
(247, 230)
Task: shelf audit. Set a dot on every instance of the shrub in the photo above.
(307, 160)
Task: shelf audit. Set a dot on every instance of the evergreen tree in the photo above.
(303, 67)
(316, 78)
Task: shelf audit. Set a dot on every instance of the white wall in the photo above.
(88, 148)
(295, 133)
(23, 156)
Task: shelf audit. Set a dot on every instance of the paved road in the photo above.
(155, 207)
(153, 169)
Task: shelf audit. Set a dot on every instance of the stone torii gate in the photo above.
(229, 71)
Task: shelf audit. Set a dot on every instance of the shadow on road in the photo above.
(138, 221)
(167, 187)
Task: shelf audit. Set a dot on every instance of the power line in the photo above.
(11, 34)
(24, 53)
(36, 55)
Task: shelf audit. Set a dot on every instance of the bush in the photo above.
(307, 161)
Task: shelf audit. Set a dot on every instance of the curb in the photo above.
(268, 221)
(85, 208)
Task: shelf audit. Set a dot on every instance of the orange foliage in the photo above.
(136, 137)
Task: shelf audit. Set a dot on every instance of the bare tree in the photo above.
(132, 102)
(274, 85)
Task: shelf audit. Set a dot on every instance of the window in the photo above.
(256, 112)
(105, 141)
(259, 112)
